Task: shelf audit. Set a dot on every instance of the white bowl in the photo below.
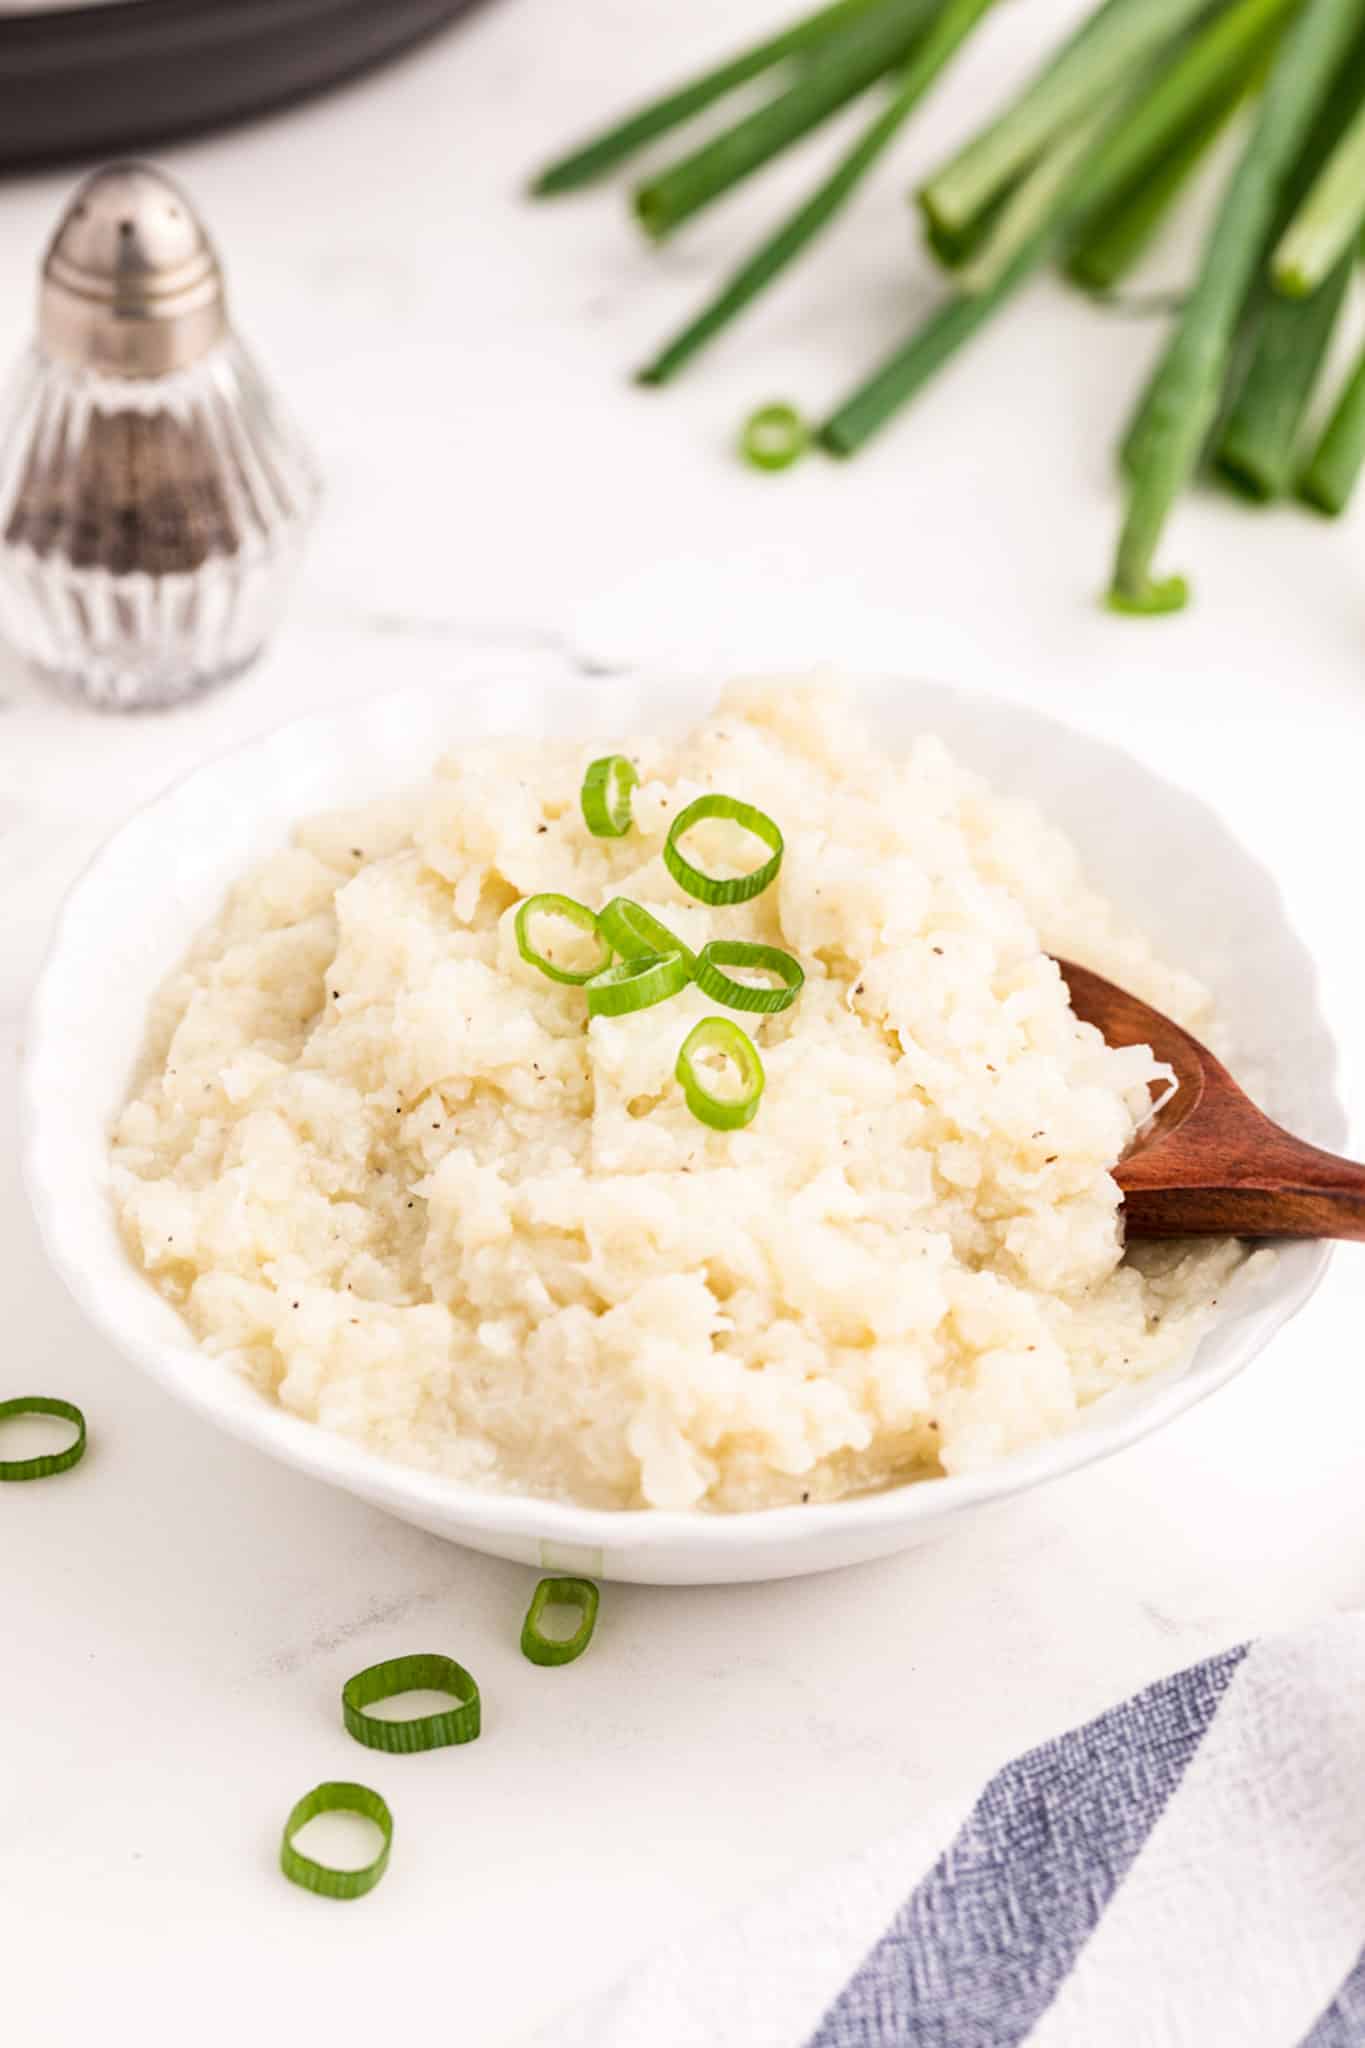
(1151, 847)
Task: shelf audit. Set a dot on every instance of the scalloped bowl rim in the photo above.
(120, 1304)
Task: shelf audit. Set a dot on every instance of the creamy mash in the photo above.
(396, 1177)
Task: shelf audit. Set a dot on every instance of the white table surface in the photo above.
(177, 1617)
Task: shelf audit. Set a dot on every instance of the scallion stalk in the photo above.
(905, 373)
(593, 159)
(848, 63)
(1033, 206)
(1338, 105)
(1182, 399)
(1155, 149)
(1330, 474)
(1108, 243)
(1289, 337)
(953, 250)
(927, 60)
(1256, 442)
(1020, 237)
(1148, 153)
(1325, 228)
(1193, 89)
(1102, 56)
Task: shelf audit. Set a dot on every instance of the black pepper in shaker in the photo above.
(153, 497)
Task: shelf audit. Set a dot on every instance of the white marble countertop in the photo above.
(178, 1617)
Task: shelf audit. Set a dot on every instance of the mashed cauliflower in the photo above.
(394, 1175)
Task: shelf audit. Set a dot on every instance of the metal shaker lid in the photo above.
(131, 284)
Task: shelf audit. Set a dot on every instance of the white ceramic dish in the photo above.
(1151, 847)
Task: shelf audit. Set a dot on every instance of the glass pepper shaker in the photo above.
(154, 499)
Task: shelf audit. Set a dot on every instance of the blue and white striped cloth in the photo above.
(1187, 1871)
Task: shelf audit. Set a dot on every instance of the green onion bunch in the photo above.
(1081, 170)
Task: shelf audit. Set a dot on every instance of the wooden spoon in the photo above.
(1209, 1164)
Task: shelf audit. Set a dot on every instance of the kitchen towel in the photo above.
(1186, 1871)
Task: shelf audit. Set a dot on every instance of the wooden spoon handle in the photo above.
(1286, 1189)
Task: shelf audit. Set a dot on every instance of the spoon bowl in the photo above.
(1210, 1163)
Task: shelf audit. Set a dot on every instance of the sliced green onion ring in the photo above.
(329, 1883)
(417, 1673)
(722, 1112)
(630, 931)
(747, 995)
(710, 888)
(774, 437)
(637, 984)
(572, 913)
(605, 796)
(50, 1462)
(543, 1649)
